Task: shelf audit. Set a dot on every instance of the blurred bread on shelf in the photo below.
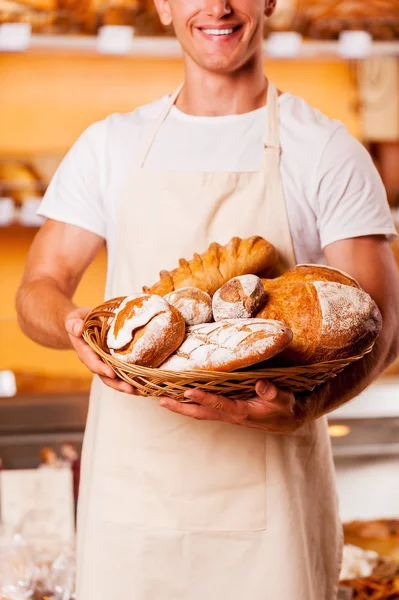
(380, 535)
(35, 383)
(20, 179)
(325, 19)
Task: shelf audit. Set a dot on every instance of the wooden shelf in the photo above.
(165, 47)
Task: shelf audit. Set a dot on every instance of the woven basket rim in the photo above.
(138, 370)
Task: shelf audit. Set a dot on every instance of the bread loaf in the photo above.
(328, 319)
(210, 270)
(229, 345)
(145, 330)
(240, 298)
(319, 273)
(194, 305)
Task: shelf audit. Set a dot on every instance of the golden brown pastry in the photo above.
(229, 345)
(210, 270)
(194, 305)
(328, 319)
(240, 298)
(145, 330)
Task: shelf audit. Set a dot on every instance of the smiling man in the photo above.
(217, 499)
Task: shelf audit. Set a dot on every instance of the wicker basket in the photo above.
(238, 385)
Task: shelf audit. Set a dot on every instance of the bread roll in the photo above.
(210, 270)
(145, 330)
(329, 320)
(240, 298)
(229, 345)
(194, 305)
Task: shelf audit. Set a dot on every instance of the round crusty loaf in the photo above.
(145, 330)
(328, 319)
(194, 305)
(240, 298)
(319, 273)
(229, 345)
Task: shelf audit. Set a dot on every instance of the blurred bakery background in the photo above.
(67, 63)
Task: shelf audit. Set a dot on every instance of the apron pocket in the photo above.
(154, 468)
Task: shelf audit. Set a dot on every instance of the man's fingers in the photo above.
(74, 327)
(266, 390)
(236, 409)
(118, 385)
(74, 322)
(90, 358)
(194, 411)
(274, 396)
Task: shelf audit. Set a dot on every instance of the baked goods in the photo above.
(327, 19)
(381, 535)
(194, 305)
(210, 270)
(229, 345)
(319, 273)
(145, 330)
(329, 320)
(240, 298)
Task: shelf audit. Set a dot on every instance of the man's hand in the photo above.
(74, 324)
(272, 409)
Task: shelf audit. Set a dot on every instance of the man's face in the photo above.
(220, 36)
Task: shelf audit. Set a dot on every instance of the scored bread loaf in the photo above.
(210, 270)
(240, 298)
(229, 345)
(194, 305)
(328, 319)
(145, 330)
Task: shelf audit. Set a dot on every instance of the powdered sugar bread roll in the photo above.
(240, 298)
(145, 330)
(194, 305)
(329, 320)
(229, 345)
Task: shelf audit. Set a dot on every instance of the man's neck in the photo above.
(210, 94)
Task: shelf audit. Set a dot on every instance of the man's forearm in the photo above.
(353, 380)
(42, 308)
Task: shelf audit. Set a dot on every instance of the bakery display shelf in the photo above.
(168, 47)
(379, 400)
(17, 228)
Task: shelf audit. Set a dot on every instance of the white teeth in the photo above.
(218, 31)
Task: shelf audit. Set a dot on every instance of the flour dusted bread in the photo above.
(229, 345)
(328, 319)
(145, 330)
(240, 298)
(194, 305)
(210, 270)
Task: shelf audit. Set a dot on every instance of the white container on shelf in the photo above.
(355, 44)
(285, 44)
(115, 39)
(15, 37)
(7, 211)
(8, 385)
(27, 215)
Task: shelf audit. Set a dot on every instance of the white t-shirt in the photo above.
(331, 186)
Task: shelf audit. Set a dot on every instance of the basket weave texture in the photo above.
(238, 385)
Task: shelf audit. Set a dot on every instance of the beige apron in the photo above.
(177, 509)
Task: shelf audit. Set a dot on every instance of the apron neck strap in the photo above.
(272, 137)
(154, 130)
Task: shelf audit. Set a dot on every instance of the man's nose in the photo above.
(217, 8)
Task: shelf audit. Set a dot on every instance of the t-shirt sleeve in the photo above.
(350, 196)
(74, 195)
